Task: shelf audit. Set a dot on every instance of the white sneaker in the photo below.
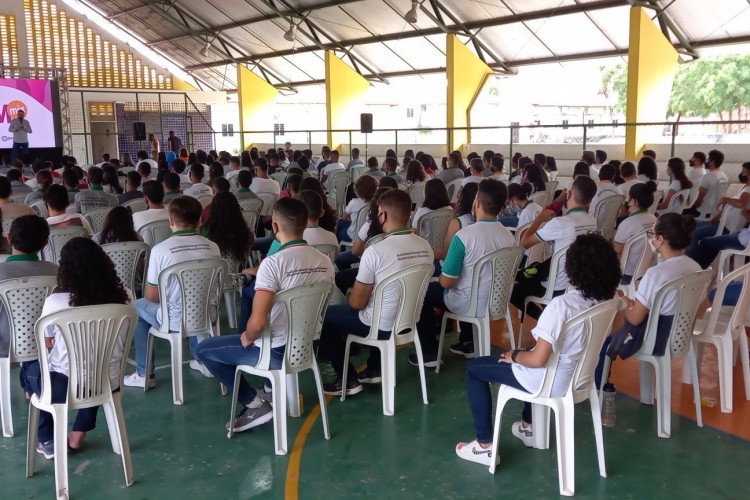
(135, 380)
(475, 453)
(525, 434)
(198, 366)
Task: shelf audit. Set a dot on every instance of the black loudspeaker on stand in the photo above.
(365, 126)
(139, 131)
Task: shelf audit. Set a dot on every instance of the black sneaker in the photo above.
(334, 388)
(369, 376)
(252, 417)
(430, 361)
(465, 349)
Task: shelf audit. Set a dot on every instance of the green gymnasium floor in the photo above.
(183, 451)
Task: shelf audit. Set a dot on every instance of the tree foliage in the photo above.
(701, 88)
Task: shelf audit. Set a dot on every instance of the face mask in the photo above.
(691, 163)
(652, 245)
(516, 209)
(742, 178)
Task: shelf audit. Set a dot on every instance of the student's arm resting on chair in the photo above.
(262, 303)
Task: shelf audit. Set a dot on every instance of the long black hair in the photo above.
(227, 227)
(118, 227)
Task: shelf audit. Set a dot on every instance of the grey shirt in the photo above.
(19, 269)
(450, 174)
(91, 198)
(21, 130)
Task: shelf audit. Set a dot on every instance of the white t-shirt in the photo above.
(470, 179)
(173, 250)
(529, 213)
(381, 260)
(331, 167)
(548, 328)
(58, 356)
(468, 246)
(711, 179)
(632, 225)
(197, 190)
(465, 220)
(261, 185)
(625, 186)
(293, 265)
(735, 221)
(140, 219)
(500, 177)
(316, 235)
(603, 191)
(655, 277)
(563, 232)
(695, 175)
(362, 234)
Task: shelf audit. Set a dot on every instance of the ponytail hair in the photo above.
(676, 229)
(643, 193)
(519, 191)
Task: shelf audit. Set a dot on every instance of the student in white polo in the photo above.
(706, 202)
(262, 183)
(454, 289)
(400, 249)
(560, 230)
(185, 244)
(296, 263)
(640, 197)
(605, 188)
(197, 172)
(153, 194)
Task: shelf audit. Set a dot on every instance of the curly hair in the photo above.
(118, 226)
(88, 275)
(592, 267)
(227, 227)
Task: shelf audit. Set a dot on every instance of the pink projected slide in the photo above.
(35, 98)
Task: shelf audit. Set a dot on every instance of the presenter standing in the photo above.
(21, 129)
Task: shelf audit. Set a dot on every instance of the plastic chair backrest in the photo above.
(411, 283)
(23, 299)
(253, 204)
(541, 198)
(453, 188)
(357, 171)
(736, 322)
(185, 185)
(554, 266)
(279, 177)
(137, 205)
(691, 290)
(204, 200)
(269, 200)
(330, 251)
(679, 202)
(155, 232)
(596, 322)
(416, 193)
(90, 334)
(7, 222)
(233, 266)
(126, 256)
(375, 239)
(339, 184)
(503, 266)
(40, 208)
(304, 308)
(95, 217)
(646, 259)
(606, 215)
(551, 187)
(59, 236)
(437, 221)
(18, 198)
(200, 283)
(360, 218)
(251, 219)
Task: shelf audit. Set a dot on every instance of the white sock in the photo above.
(255, 403)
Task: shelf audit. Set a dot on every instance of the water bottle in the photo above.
(608, 406)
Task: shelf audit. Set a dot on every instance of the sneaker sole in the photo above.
(469, 457)
(151, 385)
(349, 392)
(255, 423)
(467, 355)
(428, 364)
(48, 457)
(523, 439)
(370, 380)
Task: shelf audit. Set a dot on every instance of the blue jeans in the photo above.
(731, 294)
(344, 260)
(19, 150)
(146, 319)
(341, 230)
(427, 328)
(263, 244)
(221, 355)
(480, 373)
(246, 305)
(709, 248)
(338, 323)
(510, 221)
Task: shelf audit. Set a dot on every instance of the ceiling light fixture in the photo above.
(291, 33)
(411, 16)
(204, 50)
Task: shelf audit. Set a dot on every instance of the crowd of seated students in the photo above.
(490, 202)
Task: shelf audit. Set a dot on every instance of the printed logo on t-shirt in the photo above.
(420, 254)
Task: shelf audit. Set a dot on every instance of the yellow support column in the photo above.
(255, 96)
(466, 76)
(652, 63)
(344, 91)
(180, 84)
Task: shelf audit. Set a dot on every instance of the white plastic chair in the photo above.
(551, 187)
(645, 261)
(357, 171)
(724, 327)
(550, 291)
(137, 205)
(606, 214)
(90, 335)
(501, 267)
(7, 222)
(95, 217)
(535, 253)
(412, 284)
(269, 200)
(690, 291)
(453, 188)
(680, 201)
(359, 220)
(304, 308)
(339, 183)
(717, 192)
(330, 251)
(596, 322)
(205, 200)
(18, 198)
(541, 198)
(251, 204)
(40, 208)
(375, 239)
(155, 232)
(230, 289)
(126, 256)
(416, 193)
(437, 221)
(200, 283)
(22, 300)
(59, 236)
(185, 185)
(279, 177)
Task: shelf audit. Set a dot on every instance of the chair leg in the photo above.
(114, 437)
(122, 434)
(388, 374)
(501, 401)
(231, 309)
(605, 375)
(648, 383)
(233, 406)
(420, 359)
(149, 353)
(31, 439)
(346, 368)
(565, 429)
(321, 400)
(540, 416)
(724, 354)
(511, 335)
(482, 329)
(696, 385)
(175, 345)
(596, 417)
(279, 413)
(745, 358)
(292, 395)
(441, 340)
(60, 419)
(5, 410)
(663, 386)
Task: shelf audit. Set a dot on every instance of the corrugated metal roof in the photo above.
(373, 36)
